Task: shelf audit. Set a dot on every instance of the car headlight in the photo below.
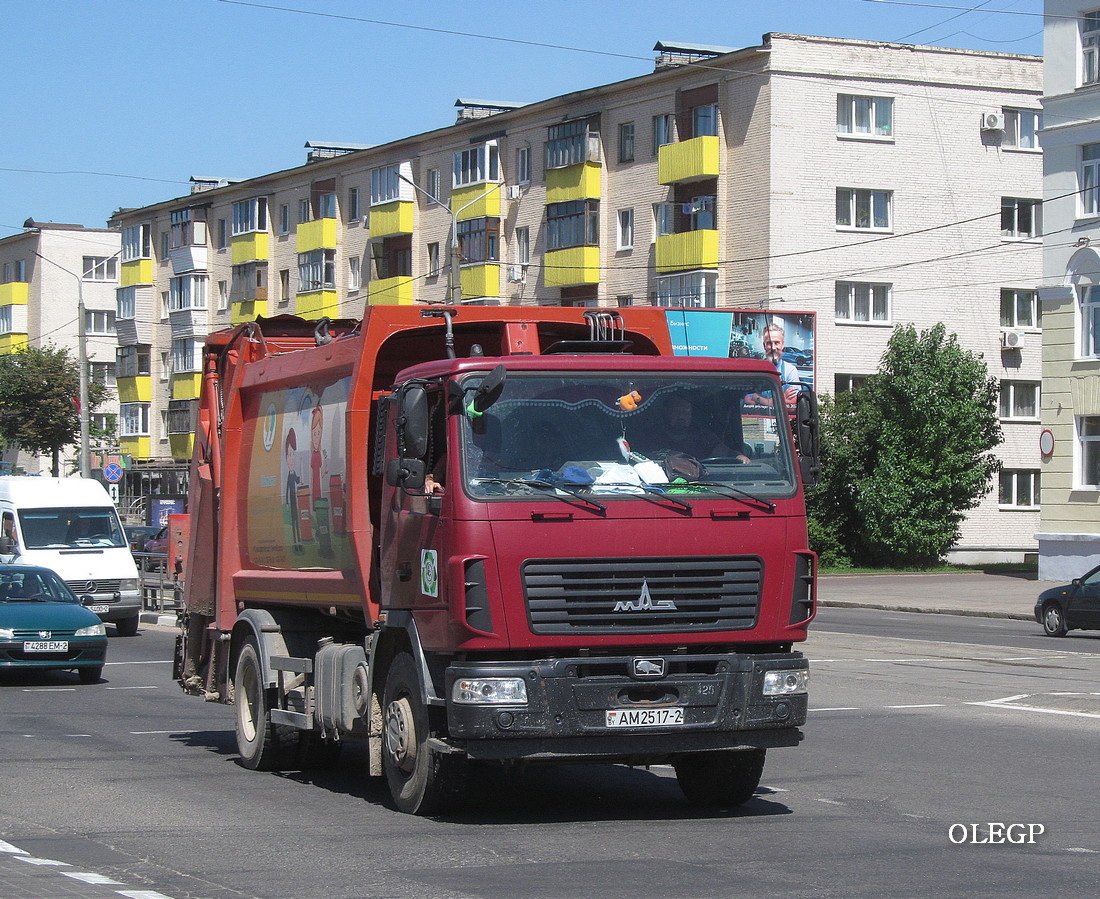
(128, 583)
(786, 683)
(490, 691)
(92, 630)
(7, 633)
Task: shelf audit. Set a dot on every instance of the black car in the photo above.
(1073, 606)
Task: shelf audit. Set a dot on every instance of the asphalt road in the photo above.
(923, 729)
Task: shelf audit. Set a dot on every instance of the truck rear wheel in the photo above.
(422, 780)
(263, 746)
(725, 779)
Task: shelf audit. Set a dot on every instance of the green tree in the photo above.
(906, 454)
(39, 396)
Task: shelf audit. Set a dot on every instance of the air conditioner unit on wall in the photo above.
(517, 273)
(513, 191)
(1012, 340)
(993, 120)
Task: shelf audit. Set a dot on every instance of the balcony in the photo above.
(186, 385)
(481, 280)
(248, 310)
(137, 447)
(687, 250)
(317, 303)
(391, 291)
(482, 206)
(138, 389)
(574, 182)
(320, 234)
(10, 343)
(389, 219)
(572, 266)
(688, 160)
(136, 271)
(181, 445)
(255, 246)
(14, 293)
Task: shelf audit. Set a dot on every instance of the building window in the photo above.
(477, 164)
(1089, 180)
(1090, 45)
(223, 234)
(624, 300)
(435, 185)
(1019, 399)
(846, 383)
(186, 355)
(863, 209)
(249, 282)
(126, 303)
(434, 269)
(523, 246)
(700, 213)
(188, 229)
(102, 373)
(856, 302)
(663, 219)
(704, 120)
(132, 361)
(355, 272)
(625, 240)
(14, 271)
(223, 296)
(1020, 218)
(187, 292)
(1090, 321)
(573, 224)
(571, 143)
(1022, 128)
(137, 242)
(664, 131)
(626, 142)
(1087, 463)
(1020, 308)
(133, 420)
(692, 289)
(99, 268)
(284, 218)
(284, 286)
(97, 321)
(180, 420)
(305, 214)
(1019, 489)
(7, 325)
(317, 270)
(864, 116)
(479, 240)
(523, 165)
(353, 204)
(250, 215)
(387, 186)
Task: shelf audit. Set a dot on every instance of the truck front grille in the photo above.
(642, 596)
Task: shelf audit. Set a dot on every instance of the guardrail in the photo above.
(160, 590)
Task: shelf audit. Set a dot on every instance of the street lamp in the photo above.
(454, 261)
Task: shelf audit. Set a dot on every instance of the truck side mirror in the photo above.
(8, 546)
(407, 473)
(806, 433)
(489, 390)
(412, 421)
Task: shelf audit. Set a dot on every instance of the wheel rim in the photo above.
(401, 734)
(1053, 619)
(248, 707)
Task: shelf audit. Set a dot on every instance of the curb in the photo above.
(161, 619)
(967, 613)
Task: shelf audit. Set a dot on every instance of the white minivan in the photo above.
(70, 525)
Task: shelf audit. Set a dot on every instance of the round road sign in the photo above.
(112, 473)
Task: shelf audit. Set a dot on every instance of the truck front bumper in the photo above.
(720, 698)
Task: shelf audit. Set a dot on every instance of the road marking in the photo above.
(150, 687)
(141, 894)
(830, 802)
(927, 705)
(839, 708)
(1080, 849)
(92, 877)
(49, 689)
(147, 662)
(145, 733)
(14, 850)
(77, 735)
(31, 860)
(1001, 704)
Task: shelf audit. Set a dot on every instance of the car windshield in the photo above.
(82, 528)
(33, 586)
(639, 435)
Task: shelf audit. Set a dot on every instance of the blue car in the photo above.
(1075, 605)
(44, 625)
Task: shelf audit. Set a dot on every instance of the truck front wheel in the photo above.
(263, 746)
(724, 779)
(422, 780)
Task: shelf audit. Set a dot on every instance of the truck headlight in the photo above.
(786, 683)
(92, 630)
(128, 584)
(489, 691)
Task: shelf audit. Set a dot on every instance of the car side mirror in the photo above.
(8, 545)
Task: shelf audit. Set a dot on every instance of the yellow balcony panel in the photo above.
(136, 447)
(252, 247)
(576, 265)
(391, 218)
(14, 293)
(186, 386)
(135, 390)
(391, 292)
(181, 445)
(480, 206)
(11, 343)
(247, 311)
(687, 250)
(320, 234)
(688, 160)
(136, 271)
(316, 303)
(574, 182)
(480, 280)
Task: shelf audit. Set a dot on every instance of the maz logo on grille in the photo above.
(645, 603)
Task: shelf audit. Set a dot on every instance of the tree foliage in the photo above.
(906, 454)
(39, 392)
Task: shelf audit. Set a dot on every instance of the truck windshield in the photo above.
(82, 528)
(625, 435)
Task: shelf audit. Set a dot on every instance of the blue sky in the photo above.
(111, 103)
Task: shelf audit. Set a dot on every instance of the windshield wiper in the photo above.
(653, 495)
(734, 493)
(546, 485)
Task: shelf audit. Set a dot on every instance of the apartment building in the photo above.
(1069, 537)
(869, 183)
(45, 272)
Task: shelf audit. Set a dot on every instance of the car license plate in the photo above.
(645, 717)
(100, 609)
(46, 646)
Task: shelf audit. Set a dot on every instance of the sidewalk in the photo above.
(1007, 595)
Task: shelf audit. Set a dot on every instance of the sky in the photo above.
(117, 103)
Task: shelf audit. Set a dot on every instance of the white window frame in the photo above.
(187, 292)
(353, 212)
(1018, 483)
(664, 131)
(1013, 299)
(523, 246)
(99, 322)
(1088, 182)
(479, 164)
(624, 232)
(387, 184)
(1086, 452)
(1090, 47)
(435, 184)
(355, 272)
(863, 303)
(316, 271)
(137, 242)
(853, 202)
(284, 218)
(126, 304)
(129, 359)
(523, 165)
(664, 221)
(223, 295)
(694, 290)
(843, 383)
(186, 355)
(1088, 321)
(102, 373)
(133, 420)
(864, 117)
(250, 216)
(434, 267)
(1012, 208)
(100, 268)
(1012, 393)
(1022, 129)
(7, 323)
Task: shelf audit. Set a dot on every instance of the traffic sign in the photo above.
(112, 473)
